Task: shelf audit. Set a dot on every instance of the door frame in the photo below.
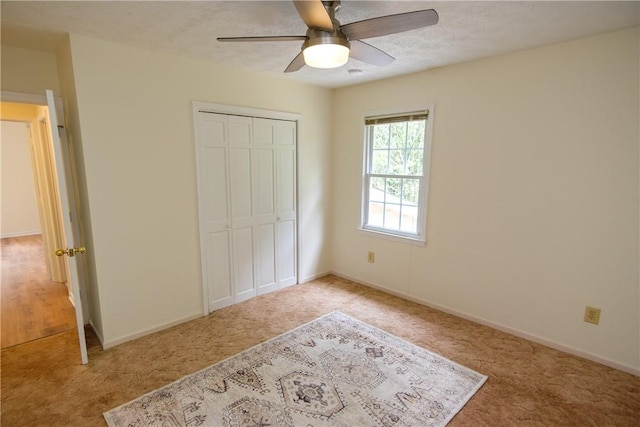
(208, 107)
(80, 297)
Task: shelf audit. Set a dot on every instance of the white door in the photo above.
(71, 226)
(286, 228)
(240, 173)
(215, 216)
(264, 201)
(247, 204)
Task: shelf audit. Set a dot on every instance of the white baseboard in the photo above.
(513, 331)
(20, 234)
(140, 334)
(313, 277)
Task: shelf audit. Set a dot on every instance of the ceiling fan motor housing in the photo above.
(316, 37)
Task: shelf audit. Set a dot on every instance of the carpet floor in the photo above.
(529, 384)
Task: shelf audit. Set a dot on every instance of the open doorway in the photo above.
(35, 299)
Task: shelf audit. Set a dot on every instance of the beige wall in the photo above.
(28, 71)
(89, 293)
(19, 201)
(533, 204)
(134, 112)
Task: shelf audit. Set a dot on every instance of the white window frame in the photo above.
(420, 238)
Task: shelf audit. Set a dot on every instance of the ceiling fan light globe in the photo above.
(326, 55)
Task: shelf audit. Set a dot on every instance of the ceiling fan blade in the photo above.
(390, 24)
(372, 55)
(296, 64)
(314, 14)
(262, 39)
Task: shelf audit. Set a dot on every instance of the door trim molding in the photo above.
(24, 98)
(31, 98)
(207, 107)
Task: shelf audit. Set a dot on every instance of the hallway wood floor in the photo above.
(32, 305)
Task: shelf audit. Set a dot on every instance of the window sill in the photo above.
(415, 241)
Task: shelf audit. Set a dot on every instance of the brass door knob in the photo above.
(71, 251)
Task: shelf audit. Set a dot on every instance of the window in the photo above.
(396, 172)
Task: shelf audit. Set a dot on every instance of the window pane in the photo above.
(410, 192)
(392, 217)
(393, 190)
(376, 217)
(409, 223)
(398, 135)
(380, 136)
(396, 162)
(376, 190)
(380, 161)
(414, 162)
(415, 134)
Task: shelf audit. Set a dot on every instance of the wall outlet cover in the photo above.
(592, 315)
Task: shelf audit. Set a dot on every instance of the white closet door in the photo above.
(242, 225)
(265, 204)
(247, 205)
(214, 209)
(286, 228)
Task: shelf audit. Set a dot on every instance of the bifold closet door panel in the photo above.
(217, 246)
(242, 218)
(286, 232)
(242, 223)
(264, 212)
(214, 209)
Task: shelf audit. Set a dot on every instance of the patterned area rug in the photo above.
(333, 371)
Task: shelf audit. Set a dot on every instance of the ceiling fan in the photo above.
(329, 44)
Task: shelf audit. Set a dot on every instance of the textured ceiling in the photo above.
(466, 31)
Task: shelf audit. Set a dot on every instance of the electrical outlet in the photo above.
(371, 257)
(592, 315)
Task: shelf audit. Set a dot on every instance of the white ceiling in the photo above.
(466, 31)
